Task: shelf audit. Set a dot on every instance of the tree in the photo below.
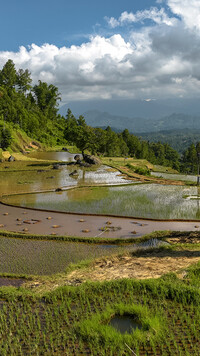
(5, 137)
(24, 80)
(47, 97)
(8, 76)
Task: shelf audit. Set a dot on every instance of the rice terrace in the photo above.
(99, 223)
(70, 280)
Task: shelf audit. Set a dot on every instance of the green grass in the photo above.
(74, 320)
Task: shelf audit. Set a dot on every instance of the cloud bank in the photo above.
(153, 53)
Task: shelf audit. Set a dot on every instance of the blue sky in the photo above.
(146, 50)
(60, 22)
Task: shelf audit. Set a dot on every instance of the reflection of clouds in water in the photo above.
(183, 177)
(144, 200)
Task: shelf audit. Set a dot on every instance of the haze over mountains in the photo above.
(139, 116)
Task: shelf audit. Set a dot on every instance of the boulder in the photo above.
(77, 157)
(91, 159)
(74, 173)
(56, 166)
(11, 159)
(84, 164)
(65, 149)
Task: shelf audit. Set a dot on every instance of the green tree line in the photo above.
(33, 109)
(109, 143)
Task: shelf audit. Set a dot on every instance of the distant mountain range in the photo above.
(98, 118)
(148, 109)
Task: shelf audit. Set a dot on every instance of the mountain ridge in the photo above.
(175, 121)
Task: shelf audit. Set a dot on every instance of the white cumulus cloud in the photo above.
(188, 10)
(154, 60)
(158, 16)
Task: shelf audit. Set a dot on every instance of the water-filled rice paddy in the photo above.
(64, 322)
(183, 177)
(21, 256)
(144, 200)
(44, 179)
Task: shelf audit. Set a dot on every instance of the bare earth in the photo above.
(136, 267)
(150, 265)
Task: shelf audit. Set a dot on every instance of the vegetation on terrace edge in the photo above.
(33, 111)
(75, 320)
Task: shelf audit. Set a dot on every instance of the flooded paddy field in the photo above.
(74, 321)
(141, 200)
(20, 256)
(173, 176)
(45, 178)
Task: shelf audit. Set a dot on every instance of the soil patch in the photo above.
(150, 265)
(14, 282)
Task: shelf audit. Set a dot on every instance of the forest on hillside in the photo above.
(34, 109)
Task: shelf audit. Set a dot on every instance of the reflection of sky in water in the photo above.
(146, 200)
(183, 177)
(28, 181)
(54, 156)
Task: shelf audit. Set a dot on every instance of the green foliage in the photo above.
(33, 109)
(191, 159)
(5, 137)
(139, 170)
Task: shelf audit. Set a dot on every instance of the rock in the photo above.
(77, 157)
(49, 218)
(91, 159)
(82, 164)
(81, 220)
(56, 166)
(65, 149)
(35, 143)
(74, 173)
(11, 159)
(86, 230)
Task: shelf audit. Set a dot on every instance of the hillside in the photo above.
(175, 121)
(178, 139)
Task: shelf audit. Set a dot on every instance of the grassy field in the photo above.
(64, 318)
(75, 320)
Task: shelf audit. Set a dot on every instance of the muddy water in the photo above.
(125, 324)
(48, 179)
(146, 200)
(55, 156)
(46, 257)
